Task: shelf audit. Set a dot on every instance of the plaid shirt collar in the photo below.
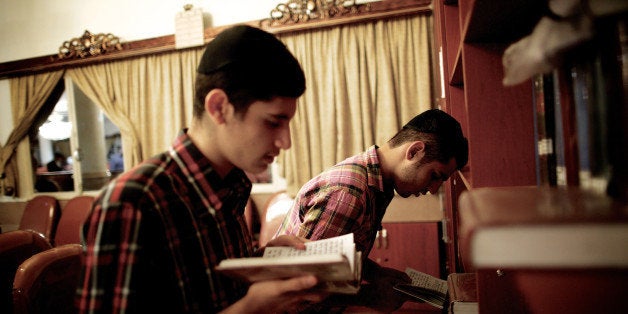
(234, 187)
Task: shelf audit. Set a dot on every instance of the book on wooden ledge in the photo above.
(424, 288)
(334, 261)
(463, 298)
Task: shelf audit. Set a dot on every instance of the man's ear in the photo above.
(415, 150)
(217, 105)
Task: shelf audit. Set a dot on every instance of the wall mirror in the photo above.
(73, 145)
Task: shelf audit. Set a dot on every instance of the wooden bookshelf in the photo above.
(498, 120)
(545, 249)
(500, 124)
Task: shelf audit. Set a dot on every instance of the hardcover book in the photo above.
(334, 261)
(463, 298)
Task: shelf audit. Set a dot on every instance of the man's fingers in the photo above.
(297, 284)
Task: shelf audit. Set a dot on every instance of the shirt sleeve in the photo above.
(332, 211)
(111, 238)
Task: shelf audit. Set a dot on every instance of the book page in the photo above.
(337, 245)
(425, 288)
(424, 280)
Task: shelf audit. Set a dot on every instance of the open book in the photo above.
(334, 261)
(425, 288)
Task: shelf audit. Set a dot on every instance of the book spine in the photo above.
(584, 106)
(615, 69)
(545, 129)
(567, 163)
(580, 81)
(591, 106)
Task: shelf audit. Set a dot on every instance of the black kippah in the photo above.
(256, 57)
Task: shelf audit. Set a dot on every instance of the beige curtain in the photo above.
(364, 81)
(149, 98)
(28, 94)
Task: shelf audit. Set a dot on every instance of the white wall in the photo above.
(33, 28)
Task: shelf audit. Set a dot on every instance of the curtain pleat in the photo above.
(28, 95)
(149, 98)
(364, 81)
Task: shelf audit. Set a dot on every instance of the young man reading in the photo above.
(156, 233)
(352, 196)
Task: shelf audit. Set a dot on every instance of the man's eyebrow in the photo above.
(280, 116)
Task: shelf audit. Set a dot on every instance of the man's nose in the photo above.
(283, 140)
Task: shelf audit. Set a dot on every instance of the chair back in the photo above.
(47, 281)
(273, 214)
(73, 216)
(16, 247)
(41, 214)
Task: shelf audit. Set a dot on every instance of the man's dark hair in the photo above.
(441, 134)
(249, 64)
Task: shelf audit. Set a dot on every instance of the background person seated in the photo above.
(59, 163)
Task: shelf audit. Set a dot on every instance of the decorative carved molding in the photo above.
(297, 11)
(163, 44)
(89, 45)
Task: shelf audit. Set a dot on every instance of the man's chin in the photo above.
(258, 169)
